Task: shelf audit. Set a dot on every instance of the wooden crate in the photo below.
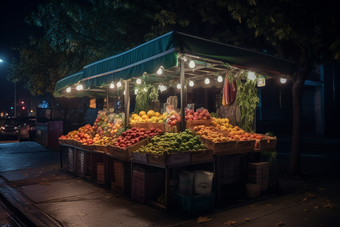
(140, 157)
(100, 173)
(83, 163)
(118, 169)
(160, 126)
(142, 125)
(268, 143)
(222, 148)
(245, 145)
(197, 156)
(70, 160)
(192, 124)
(101, 148)
(61, 141)
(126, 154)
(169, 159)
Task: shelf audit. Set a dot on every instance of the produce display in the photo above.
(200, 114)
(134, 135)
(148, 117)
(223, 125)
(211, 133)
(173, 143)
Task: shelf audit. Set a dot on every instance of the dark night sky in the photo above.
(13, 30)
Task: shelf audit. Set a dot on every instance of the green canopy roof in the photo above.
(163, 51)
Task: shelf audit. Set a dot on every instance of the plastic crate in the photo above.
(193, 204)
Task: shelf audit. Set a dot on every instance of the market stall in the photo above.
(175, 136)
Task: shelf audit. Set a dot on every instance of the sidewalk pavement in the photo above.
(51, 197)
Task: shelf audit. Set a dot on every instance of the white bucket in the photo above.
(203, 182)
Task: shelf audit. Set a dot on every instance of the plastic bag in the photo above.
(172, 116)
(186, 182)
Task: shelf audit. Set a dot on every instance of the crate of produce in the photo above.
(126, 154)
(88, 147)
(61, 141)
(246, 145)
(140, 157)
(193, 204)
(192, 124)
(101, 148)
(160, 126)
(142, 125)
(169, 159)
(197, 156)
(267, 143)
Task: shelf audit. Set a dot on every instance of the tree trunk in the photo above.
(294, 164)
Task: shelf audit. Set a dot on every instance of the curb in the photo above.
(23, 208)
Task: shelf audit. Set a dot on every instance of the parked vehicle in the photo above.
(27, 130)
(9, 127)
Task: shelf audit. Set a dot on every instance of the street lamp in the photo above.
(15, 92)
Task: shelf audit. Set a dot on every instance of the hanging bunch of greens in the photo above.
(247, 100)
(153, 93)
(142, 98)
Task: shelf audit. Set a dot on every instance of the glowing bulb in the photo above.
(119, 84)
(68, 89)
(138, 81)
(124, 92)
(219, 79)
(251, 76)
(191, 83)
(136, 91)
(160, 71)
(79, 87)
(179, 86)
(283, 80)
(112, 85)
(207, 81)
(162, 88)
(192, 64)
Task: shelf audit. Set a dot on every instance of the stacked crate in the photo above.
(118, 184)
(100, 173)
(70, 160)
(229, 169)
(258, 173)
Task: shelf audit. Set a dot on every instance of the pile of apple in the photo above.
(134, 135)
(200, 114)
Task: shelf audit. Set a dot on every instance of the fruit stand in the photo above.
(121, 150)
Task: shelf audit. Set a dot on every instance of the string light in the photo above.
(251, 76)
(119, 84)
(179, 86)
(136, 91)
(79, 87)
(112, 85)
(138, 81)
(207, 81)
(192, 64)
(219, 79)
(162, 88)
(160, 71)
(191, 83)
(124, 92)
(68, 89)
(283, 80)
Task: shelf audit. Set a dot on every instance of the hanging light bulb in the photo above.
(68, 89)
(119, 84)
(136, 91)
(191, 83)
(162, 88)
(138, 81)
(124, 92)
(207, 81)
(283, 80)
(251, 76)
(219, 79)
(179, 86)
(160, 71)
(79, 87)
(112, 85)
(192, 64)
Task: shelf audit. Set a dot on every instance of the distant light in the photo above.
(191, 83)
(119, 84)
(160, 71)
(31, 111)
(23, 107)
(251, 76)
(138, 81)
(11, 107)
(136, 91)
(112, 85)
(192, 64)
(68, 89)
(283, 80)
(0, 60)
(207, 81)
(219, 79)
(179, 86)
(22, 102)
